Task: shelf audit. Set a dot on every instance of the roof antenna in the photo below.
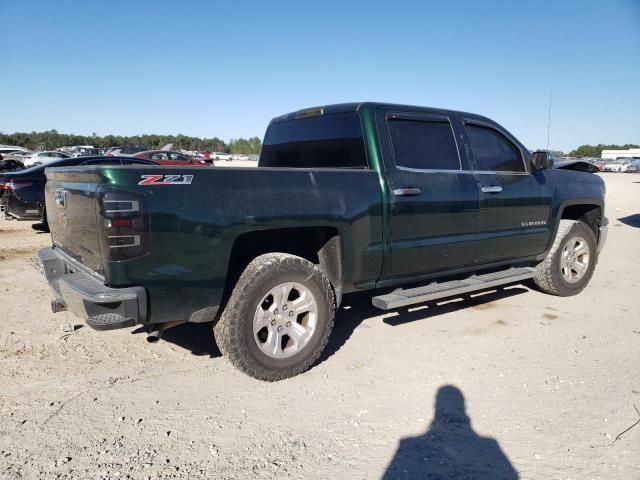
(549, 120)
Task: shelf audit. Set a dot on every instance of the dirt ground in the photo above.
(548, 384)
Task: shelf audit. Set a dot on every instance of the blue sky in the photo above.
(210, 68)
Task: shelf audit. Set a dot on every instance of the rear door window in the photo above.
(493, 151)
(323, 141)
(424, 144)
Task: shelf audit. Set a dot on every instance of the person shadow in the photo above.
(450, 448)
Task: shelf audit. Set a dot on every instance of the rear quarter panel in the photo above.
(193, 227)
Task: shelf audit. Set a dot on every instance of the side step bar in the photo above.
(433, 291)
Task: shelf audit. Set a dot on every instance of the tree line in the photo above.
(593, 151)
(52, 139)
(596, 150)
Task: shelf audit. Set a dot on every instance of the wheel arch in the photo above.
(321, 245)
(587, 210)
(589, 213)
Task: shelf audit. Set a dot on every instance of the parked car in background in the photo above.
(616, 166)
(11, 165)
(86, 152)
(206, 156)
(578, 165)
(600, 164)
(39, 158)
(7, 149)
(16, 155)
(22, 193)
(633, 167)
(221, 156)
(163, 157)
(125, 150)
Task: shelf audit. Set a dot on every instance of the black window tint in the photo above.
(493, 151)
(102, 161)
(424, 144)
(325, 141)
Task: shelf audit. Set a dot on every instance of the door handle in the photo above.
(492, 189)
(407, 192)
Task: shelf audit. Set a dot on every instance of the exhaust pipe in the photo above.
(156, 330)
(58, 305)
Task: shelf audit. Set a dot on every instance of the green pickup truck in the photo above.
(414, 203)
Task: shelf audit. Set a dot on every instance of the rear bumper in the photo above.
(86, 296)
(602, 234)
(21, 210)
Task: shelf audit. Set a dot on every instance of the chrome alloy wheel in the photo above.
(285, 320)
(575, 259)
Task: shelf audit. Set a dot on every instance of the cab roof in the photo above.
(358, 106)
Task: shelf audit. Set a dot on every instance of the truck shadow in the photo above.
(356, 307)
(450, 448)
(195, 337)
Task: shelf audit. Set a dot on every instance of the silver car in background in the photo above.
(38, 158)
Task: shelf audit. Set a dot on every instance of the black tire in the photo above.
(234, 330)
(549, 278)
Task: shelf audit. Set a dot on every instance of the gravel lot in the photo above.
(548, 383)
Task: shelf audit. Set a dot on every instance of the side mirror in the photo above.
(542, 160)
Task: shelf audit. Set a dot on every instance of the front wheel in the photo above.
(278, 319)
(571, 261)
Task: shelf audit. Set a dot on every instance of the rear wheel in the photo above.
(571, 261)
(278, 319)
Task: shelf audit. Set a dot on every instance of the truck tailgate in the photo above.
(71, 206)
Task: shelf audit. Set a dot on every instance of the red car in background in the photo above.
(167, 157)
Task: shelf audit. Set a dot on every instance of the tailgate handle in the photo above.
(492, 189)
(399, 192)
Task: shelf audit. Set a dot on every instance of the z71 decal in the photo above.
(165, 180)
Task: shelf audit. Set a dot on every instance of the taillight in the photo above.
(124, 225)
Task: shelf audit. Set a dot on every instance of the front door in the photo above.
(434, 197)
(515, 204)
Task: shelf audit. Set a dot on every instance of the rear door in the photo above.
(434, 197)
(515, 204)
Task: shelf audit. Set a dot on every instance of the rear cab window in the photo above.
(322, 141)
